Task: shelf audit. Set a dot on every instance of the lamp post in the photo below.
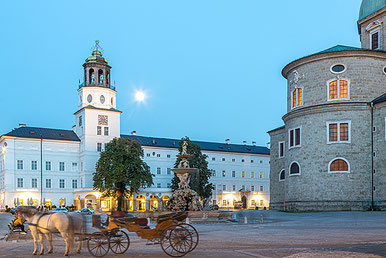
(41, 172)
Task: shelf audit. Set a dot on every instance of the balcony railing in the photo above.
(96, 85)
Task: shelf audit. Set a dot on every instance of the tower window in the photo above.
(108, 79)
(294, 168)
(100, 76)
(375, 40)
(91, 75)
(338, 89)
(297, 97)
(294, 138)
(339, 165)
(339, 132)
(282, 175)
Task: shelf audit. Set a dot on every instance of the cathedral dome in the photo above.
(370, 6)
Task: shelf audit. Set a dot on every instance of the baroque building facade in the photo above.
(331, 152)
(55, 167)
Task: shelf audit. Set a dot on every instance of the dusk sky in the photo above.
(211, 70)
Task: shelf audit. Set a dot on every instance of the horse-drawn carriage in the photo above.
(175, 237)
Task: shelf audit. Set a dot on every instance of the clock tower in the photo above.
(97, 119)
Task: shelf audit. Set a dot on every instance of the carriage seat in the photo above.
(129, 218)
(179, 216)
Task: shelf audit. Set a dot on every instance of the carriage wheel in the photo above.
(119, 242)
(194, 234)
(176, 241)
(98, 244)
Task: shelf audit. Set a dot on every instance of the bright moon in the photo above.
(139, 96)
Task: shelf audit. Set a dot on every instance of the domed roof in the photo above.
(370, 6)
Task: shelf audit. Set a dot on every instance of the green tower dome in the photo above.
(370, 6)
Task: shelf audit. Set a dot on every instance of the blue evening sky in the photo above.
(211, 69)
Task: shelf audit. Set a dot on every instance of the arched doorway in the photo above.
(90, 201)
(244, 201)
(141, 203)
(153, 202)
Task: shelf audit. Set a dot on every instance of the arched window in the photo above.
(297, 97)
(100, 76)
(282, 175)
(339, 165)
(338, 89)
(108, 79)
(294, 168)
(91, 74)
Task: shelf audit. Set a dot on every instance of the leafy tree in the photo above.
(121, 165)
(199, 181)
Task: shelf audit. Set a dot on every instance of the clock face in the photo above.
(89, 98)
(102, 99)
(103, 120)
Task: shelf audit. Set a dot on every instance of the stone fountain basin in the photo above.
(184, 170)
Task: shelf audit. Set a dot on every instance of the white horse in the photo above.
(47, 223)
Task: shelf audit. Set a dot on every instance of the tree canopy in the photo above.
(199, 181)
(120, 166)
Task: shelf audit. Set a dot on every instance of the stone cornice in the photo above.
(329, 107)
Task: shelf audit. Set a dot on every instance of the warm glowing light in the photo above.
(140, 96)
(4, 150)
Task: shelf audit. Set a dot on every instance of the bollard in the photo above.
(245, 220)
(261, 219)
(187, 220)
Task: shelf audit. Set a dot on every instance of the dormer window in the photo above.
(374, 37)
(374, 33)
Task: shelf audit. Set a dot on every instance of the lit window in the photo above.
(281, 149)
(74, 183)
(297, 97)
(261, 202)
(223, 173)
(158, 171)
(20, 183)
(48, 165)
(261, 174)
(19, 164)
(233, 173)
(99, 130)
(106, 131)
(34, 165)
(34, 183)
(242, 173)
(253, 202)
(48, 183)
(282, 175)
(339, 132)
(339, 165)
(252, 174)
(294, 168)
(224, 202)
(294, 138)
(338, 89)
(61, 183)
(61, 166)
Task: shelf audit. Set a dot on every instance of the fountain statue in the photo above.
(184, 198)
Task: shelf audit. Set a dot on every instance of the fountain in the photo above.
(184, 199)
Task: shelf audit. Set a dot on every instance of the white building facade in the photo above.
(55, 167)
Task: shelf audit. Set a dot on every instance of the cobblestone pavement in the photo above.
(327, 234)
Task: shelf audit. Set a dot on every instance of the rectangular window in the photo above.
(34, 165)
(223, 173)
(252, 188)
(99, 130)
(19, 164)
(61, 166)
(168, 185)
(233, 160)
(338, 132)
(20, 183)
(106, 130)
(80, 121)
(242, 173)
(297, 97)
(61, 183)
(261, 174)
(294, 138)
(375, 40)
(213, 159)
(233, 173)
(74, 166)
(343, 94)
(224, 187)
(252, 161)
(158, 155)
(158, 185)
(233, 187)
(168, 171)
(333, 90)
(281, 149)
(147, 154)
(223, 159)
(338, 89)
(213, 172)
(242, 160)
(168, 156)
(74, 183)
(99, 147)
(158, 171)
(224, 202)
(252, 174)
(261, 188)
(34, 183)
(48, 183)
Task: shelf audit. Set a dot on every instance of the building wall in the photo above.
(364, 33)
